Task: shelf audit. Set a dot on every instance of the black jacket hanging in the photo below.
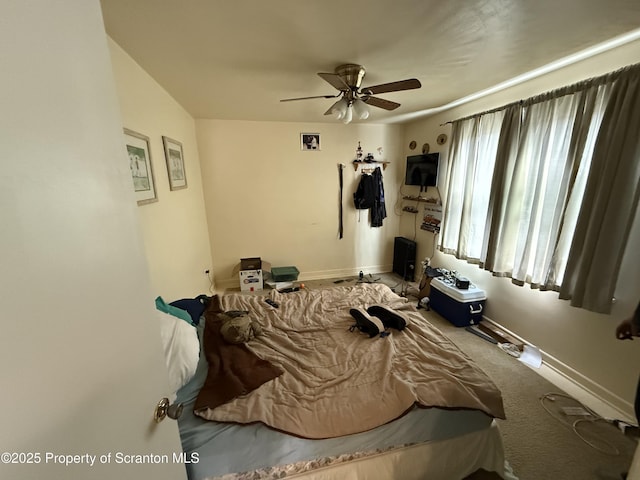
(379, 209)
(365, 195)
(370, 196)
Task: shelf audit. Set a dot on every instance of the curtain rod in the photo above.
(486, 112)
(558, 92)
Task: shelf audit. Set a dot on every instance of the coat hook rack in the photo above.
(356, 164)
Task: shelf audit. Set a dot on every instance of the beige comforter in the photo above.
(338, 382)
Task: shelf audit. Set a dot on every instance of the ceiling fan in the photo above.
(354, 98)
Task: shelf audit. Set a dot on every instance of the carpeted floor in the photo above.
(539, 445)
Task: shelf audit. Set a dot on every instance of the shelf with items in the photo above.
(368, 159)
(432, 215)
(409, 209)
(370, 164)
(421, 199)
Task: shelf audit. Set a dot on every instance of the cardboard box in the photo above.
(251, 280)
(425, 287)
(253, 263)
(425, 282)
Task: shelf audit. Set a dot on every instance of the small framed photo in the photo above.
(175, 163)
(310, 141)
(139, 155)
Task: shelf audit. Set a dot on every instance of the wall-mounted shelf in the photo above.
(421, 199)
(409, 209)
(383, 163)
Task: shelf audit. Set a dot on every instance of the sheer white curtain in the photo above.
(596, 99)
(553, 138)
(472, 158)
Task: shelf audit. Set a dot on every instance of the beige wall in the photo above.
(174, 228)
(267, 198)
(578, 343)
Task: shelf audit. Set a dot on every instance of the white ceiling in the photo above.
(235, 59)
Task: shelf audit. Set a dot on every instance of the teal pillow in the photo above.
(175, 311)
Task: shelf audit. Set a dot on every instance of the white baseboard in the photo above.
(234, 282)
(598, 398)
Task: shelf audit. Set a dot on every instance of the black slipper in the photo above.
(390, 319)
(366, 323)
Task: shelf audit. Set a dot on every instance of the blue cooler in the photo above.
(462, 307)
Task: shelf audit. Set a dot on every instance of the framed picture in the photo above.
(310, 141)
(141, 168)
(175, 164)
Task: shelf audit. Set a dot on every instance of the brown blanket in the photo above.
(234, 370)
(338, 382)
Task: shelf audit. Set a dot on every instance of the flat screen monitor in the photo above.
(422, 170)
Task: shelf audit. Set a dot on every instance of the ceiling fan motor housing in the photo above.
(352, 74)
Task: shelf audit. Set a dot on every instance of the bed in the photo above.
(332, 402)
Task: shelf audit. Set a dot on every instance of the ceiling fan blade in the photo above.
(409, 84)
(335, 80)
(381, 103)
(307, 98)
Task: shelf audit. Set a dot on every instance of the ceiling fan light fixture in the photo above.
(339, 109)
(360, 109)
(355, 100)
(348, 116)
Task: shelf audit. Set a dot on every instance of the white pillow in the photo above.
(181, 349)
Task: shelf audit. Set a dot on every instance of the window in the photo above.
(510, 221)
(474, 145)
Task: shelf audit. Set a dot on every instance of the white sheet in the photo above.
(450, 459)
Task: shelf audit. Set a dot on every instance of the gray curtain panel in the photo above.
(495, 235)
(610, 200)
